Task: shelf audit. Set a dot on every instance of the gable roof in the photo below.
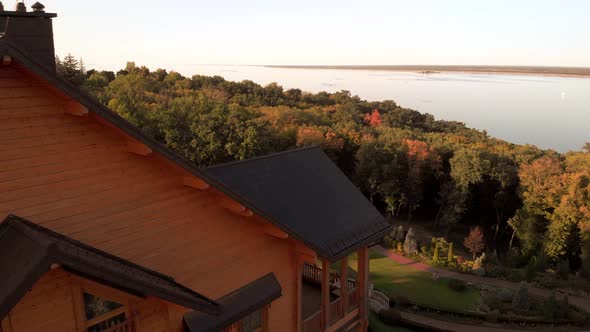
(324, 242)
(236, 305)
(306, 195)
(28, 251)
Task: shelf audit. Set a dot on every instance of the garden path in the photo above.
(578, 301)
(456, 327)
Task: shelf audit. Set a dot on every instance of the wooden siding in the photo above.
(74, 175)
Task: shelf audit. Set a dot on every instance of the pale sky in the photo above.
(166, 34)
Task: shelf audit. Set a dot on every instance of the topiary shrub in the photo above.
(410, 244)
(521, 301)
(457, 285)
(493, 316)
(399, 235)
(390, 316)
(435, 256)
(450, 253)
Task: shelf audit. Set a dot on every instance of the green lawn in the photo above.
(418, 287)
(378, 326)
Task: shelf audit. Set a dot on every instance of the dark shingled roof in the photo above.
(27, 252)
(236, 305)
(304, 193)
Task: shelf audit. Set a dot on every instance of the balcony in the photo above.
(341, 302)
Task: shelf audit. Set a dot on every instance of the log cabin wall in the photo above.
(76, 176)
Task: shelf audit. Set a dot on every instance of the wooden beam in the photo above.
(344, 284)
(74, 108)
(325, 307)
(6, 60)
(247, 213)
(195, 182)
(363, 285)
(274, 231)
(231, 205)
(138, 148)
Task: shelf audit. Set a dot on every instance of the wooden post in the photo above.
(299, 291)
(363, 284)
(325, 294)
(344, 284)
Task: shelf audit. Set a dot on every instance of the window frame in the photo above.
(81, 285)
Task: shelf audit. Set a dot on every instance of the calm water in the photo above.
(550, 112)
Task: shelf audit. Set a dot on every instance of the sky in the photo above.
(108, 33)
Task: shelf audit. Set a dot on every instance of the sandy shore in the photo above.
(493, 70)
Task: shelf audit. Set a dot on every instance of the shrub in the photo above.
(515, 259)
(493, 316)
(498, 271)
(388, 242)
(390, 316)
(450, 253)
(577, 317)
(563, 269)
(530, 271)
(457, 285)
(505, 295)
(516, 276)
(551, 308)
(401, 301)
(435, 256)
(492, 300)
(424, 250)
(392, 302)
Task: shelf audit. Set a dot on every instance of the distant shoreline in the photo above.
(435, 69)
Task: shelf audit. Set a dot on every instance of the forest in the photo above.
(528, 201)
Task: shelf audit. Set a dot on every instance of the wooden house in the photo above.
(106, 229)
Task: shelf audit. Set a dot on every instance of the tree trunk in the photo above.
(511, 239)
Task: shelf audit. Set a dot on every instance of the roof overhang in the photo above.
(29, 250)
(236, 305)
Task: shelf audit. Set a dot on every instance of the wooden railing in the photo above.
(377, 300)
(336, 310)
(314, 273)
(313, 323)
(126, 326)
(353, 299)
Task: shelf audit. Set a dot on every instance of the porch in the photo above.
(338, 306)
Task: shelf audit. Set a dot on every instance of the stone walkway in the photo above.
(578, 301)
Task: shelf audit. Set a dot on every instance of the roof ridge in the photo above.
(266, 156)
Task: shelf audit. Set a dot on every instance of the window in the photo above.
(102, 314)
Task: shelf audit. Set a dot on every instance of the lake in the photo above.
(547, 111)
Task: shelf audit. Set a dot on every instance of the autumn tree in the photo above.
(474, 242)
(373, 119)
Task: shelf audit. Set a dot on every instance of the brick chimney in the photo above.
(29, 31)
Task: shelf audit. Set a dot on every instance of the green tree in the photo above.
(71, 69)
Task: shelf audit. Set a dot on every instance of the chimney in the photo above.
(29, 31)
